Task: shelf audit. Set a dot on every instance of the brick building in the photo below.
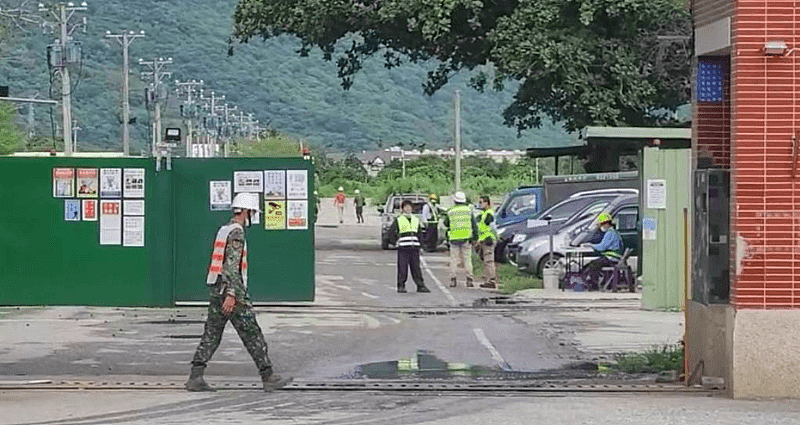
(746, 119)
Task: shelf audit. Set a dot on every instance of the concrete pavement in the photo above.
(358, 328)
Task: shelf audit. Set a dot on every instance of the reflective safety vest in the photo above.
(218, 255)
(614, 254)
(460, 217)
(434, 213)
(408, 231)
(485, 231)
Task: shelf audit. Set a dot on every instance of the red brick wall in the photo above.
(765, 209)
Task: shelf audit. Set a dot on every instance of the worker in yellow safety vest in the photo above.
(486, 240)
(405, 231)
(461, 232)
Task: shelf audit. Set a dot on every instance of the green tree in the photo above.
(274, 145)
(583, 62)
(10, 135)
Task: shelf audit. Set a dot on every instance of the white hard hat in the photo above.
(460, 197)
(358, 191)
(246, 201)
(341, 188)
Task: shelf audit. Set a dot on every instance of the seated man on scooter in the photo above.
(610, 249)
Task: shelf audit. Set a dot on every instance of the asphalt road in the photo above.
(359, 328)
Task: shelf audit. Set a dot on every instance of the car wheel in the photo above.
(543, 263)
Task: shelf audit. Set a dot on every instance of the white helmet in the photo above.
(460, 197)
(246, 201)
(358, 191)
(341, 188)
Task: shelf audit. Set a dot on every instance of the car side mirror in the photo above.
(380, 210)
(547, 218)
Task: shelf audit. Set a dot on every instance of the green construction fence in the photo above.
(51, 255)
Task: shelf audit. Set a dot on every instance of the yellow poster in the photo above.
(274, 215)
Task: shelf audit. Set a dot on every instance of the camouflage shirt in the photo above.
(230, 279)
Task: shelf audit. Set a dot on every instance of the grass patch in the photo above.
(655, 360)
(511, 280)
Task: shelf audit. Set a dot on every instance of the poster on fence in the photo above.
(297, 184)
(89, 210)
(248, 181)
(274, 214)
(220, 197)
(133, 207)
(275, 184)
(110, 222)
(63, 182)
(72, 210)
(297, 215)
(133, 231)
(134, 182)
(111, 182)
(87, 182)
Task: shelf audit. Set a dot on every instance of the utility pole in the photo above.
(63, 53)
(155, 74)
(188, 87)
(125, 39)
(211, 141)
(458, 139)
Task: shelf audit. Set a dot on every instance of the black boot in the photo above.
(196, 381)
(273, 381)
(423, 288)
(401, 289)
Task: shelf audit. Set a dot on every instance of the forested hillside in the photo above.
(298, 96)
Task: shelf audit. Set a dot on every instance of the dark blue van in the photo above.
(520, 204)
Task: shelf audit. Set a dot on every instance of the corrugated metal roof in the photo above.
(636, 133)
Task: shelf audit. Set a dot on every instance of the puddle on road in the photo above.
(427, 365)
(423, 365)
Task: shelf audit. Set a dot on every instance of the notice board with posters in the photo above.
(157, 231)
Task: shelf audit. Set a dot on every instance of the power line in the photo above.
(125, 38)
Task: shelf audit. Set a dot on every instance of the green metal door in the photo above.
(281, 262)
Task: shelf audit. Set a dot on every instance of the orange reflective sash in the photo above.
(218, 255)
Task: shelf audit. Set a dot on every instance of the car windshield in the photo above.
(568, 207)
(522, 204)
(417, 204)
(590, 210)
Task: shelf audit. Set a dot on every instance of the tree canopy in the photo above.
(583, 62)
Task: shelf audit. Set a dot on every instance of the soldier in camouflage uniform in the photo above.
(229, 300)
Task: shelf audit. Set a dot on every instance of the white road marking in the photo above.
(493, 351)
(371, 322)
(374, 297)
(442, 288)
(392, 319)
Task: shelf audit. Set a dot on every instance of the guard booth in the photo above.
(117, 231)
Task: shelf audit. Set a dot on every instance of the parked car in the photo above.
(559, 214)
(532, 255)
(519, 205)
(393, 207)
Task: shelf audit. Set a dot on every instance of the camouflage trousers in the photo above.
(244, 321)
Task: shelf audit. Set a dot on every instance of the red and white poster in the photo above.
(63, 182)
(87, 182)
(110, 222)
(89, 209)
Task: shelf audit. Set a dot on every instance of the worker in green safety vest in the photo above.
(405, 232)
(486, 240)
(610, 249)
(430, 217)
(462, 231)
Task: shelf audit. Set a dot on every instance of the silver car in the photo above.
(532, 255)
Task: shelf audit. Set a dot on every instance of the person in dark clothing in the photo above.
(405, 231)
